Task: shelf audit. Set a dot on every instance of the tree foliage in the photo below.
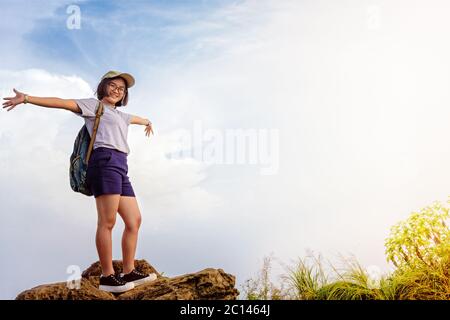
(422, 239)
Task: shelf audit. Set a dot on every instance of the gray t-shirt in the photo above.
(112, 130)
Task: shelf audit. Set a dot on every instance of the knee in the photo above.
(106, 224)
(134, 225)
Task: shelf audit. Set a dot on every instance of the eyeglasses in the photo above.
(114, 87)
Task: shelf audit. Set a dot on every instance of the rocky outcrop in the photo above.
(206, 284)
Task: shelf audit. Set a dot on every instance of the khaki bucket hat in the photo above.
(128, 77)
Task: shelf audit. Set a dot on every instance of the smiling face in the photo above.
(113, 91)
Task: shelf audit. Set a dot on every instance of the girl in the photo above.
(107, 172)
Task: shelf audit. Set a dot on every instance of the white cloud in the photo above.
(361, 112)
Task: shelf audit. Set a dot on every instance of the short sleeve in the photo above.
(126, 117)
(87, 106)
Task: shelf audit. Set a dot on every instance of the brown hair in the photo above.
(102, 92)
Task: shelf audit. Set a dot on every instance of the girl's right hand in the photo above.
(14, 101)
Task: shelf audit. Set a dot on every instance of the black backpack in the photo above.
(79, 159)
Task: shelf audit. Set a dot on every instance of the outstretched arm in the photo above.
(48, 102)
(145, 122)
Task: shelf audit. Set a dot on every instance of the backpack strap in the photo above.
(98, 114)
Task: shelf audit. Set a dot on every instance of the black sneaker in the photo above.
(114, 284)
(137, 277)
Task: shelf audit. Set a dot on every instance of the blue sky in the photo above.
(344, 104)
(122, 35)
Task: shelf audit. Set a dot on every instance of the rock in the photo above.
(206, 284)
(60, 291)
(95, 269)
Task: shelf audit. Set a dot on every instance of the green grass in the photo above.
(308, 279)
(419, 248)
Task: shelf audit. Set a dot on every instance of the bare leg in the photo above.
(107, 206)
(131, 215)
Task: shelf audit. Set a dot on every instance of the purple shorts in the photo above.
(107, 173)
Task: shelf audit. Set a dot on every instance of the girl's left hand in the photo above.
(148, 130)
